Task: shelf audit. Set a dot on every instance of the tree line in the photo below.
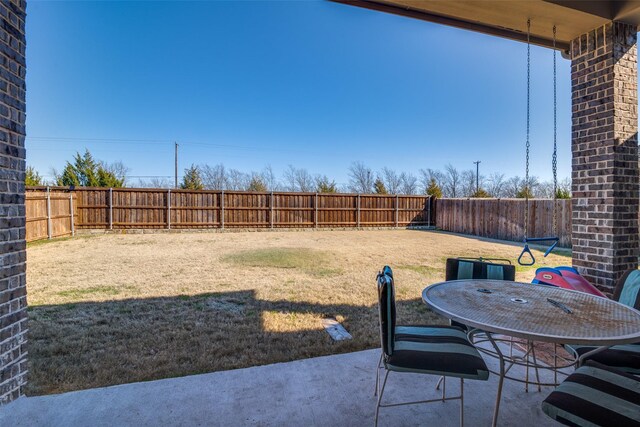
(84, 170)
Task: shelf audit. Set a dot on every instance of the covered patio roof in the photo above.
(509, 18)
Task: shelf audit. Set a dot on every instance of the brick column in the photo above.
(13, 299)
(604, 75)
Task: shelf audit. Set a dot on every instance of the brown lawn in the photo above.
(113, 309)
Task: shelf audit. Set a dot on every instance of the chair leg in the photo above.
(375, 393)
(535, 364)
(461, 402)
(555, 363)
(384, 382)
(526, 363)
(444, 387)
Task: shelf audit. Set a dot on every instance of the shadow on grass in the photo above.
(93, 344)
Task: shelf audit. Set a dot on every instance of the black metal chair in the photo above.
(625, 357)
(479, 268)
(435, 350)
(596, 395)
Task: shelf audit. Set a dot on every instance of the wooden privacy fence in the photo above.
(49, 214)
(128, 208)
(504, 218)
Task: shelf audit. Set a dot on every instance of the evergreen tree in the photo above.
(85, 171)
(323, 185)
(192, 179)
(257, 184)
(562, 193)
(378, 186)
(433, 189)
(524, 192)
(32, 177)
(480, 194)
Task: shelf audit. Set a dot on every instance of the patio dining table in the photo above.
(534, 313)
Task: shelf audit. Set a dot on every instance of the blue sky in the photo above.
(314, 84)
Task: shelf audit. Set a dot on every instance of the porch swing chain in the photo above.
(554, 162)
(526, 176)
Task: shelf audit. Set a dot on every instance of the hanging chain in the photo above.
(526, 176)
(554, 162)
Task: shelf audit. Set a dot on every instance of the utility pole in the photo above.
(176, 171)
(477, 163)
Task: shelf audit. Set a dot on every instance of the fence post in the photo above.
(110, 208)
(73, 229)
(222, 209)
(168, 209)
(396, 213)
(358, 213)
(49, 232)
(315, 211)
(429, 213)
(271, 210)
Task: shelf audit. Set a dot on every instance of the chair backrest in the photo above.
(628, 289)
(387, 309)
(463, 268)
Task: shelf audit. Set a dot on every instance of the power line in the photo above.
(41, 139)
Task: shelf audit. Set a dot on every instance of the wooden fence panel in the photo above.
(246, 210)
(504, 218)
(293, 210)
(52, 221)
(93, 208)
(131, 208)
(191, 209)
(337, 210)
(377, 211)
(413, 211)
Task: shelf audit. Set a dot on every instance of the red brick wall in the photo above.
(604, 75)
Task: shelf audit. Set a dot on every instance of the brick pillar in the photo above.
(13, 299)
(604, 134)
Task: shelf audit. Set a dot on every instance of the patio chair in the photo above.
(479, 268)
(595, 395)
(625, 357)
(435, 350)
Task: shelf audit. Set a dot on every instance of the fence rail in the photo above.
(129, 208)
(504, 218)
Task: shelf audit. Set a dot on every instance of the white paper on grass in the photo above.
(336, 330)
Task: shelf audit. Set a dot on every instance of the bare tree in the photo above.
(451, 186)
(237, 180)
(467, 183)
(360, 178)
(512, 186)
(516, 186)
(298, 179)
(391, 180)
(214, 177)
(545, 190)
(118, 169)
(269, 179)
(496, 185)
(155, 182)
(409, 183)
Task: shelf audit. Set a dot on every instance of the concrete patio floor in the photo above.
(323, 391)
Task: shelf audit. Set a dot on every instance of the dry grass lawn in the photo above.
(113, 309)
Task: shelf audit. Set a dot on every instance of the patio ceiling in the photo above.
(509, 18)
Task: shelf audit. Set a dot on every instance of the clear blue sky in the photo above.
(314, 84)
